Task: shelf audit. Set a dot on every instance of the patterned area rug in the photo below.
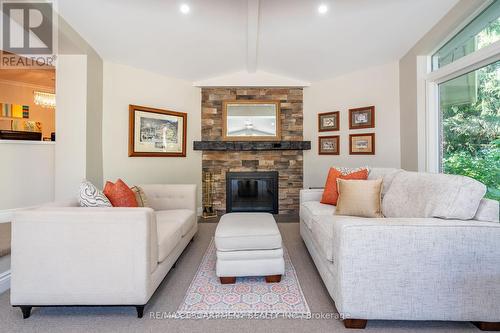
(251, 297)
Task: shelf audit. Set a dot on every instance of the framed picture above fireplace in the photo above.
(251, 120)
(156, 132)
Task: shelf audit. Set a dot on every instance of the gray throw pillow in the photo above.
(91, 196)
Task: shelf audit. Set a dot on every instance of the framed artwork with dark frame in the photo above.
(362, 117)
(329, 121)
(329, 145)
(156, 132)
(362, 144)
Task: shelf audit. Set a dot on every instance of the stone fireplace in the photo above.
(287, 162)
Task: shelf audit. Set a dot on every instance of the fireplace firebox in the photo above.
(252, 192)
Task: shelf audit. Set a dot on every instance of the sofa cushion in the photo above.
(359, 197)
(310, 209)
(185, 217)
(120, 194)
(91, 196)
(418, 194)
(169, 235)
(140, 196)
(488, 211)
(322, 233)
(387, 175)
(330, 193)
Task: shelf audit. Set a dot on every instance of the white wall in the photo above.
(377, 86)
(124, 85)
(26, 174)
(71, 43)
(410, 140)
(71, 115)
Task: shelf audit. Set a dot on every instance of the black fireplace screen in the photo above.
(252, 192)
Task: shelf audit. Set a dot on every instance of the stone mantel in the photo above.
(250, 145)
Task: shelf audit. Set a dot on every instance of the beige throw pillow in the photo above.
(359, 198)
(140, 196)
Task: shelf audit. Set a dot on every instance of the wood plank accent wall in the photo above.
(289, 163)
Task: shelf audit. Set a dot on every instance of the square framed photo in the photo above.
(328, 121)
(329, 145)
(156, 132)
(362, 117)
(362, 144)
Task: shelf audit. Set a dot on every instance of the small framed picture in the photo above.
(329, 145)
(328, 121)
(362, 144)
(362, 117)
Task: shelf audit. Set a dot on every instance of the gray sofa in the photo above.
(410, 268)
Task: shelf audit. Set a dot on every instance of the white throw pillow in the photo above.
(91, 196)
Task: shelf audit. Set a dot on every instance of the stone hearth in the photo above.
(288, 163)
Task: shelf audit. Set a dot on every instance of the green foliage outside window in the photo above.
(471, 130)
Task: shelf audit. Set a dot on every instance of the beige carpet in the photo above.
(171, 292)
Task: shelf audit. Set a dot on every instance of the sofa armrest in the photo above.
(171, 196)
(82, 256)
(310, 195)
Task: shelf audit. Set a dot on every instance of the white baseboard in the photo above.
(4, 281)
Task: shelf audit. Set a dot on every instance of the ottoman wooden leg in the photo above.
(487, 326)
(227, 279)
(273, 278)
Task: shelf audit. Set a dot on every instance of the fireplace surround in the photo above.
(252, 192)
(220, 157)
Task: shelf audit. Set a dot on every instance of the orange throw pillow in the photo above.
(120, 194)
(330, 193)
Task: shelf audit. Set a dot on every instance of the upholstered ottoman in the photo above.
(248, 244)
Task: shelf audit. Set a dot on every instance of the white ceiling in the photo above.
(288, 37)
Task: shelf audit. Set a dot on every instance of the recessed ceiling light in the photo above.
(322, 9)
(184, 8)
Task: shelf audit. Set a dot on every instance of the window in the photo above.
(484, 30)
(469, 108)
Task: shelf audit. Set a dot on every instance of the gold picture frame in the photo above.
(269, 109)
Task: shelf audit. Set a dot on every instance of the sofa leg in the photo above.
(273, 278)
(487, 326)
(140, 310)
(26, 310)
(355, 323)
(227, 279)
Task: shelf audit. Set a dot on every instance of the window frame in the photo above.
(455, 32)
(428, 81)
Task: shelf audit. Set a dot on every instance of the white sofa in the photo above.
(406, 268)
(70, 255)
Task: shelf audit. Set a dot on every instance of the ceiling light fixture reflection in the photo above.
(184, 8)
(322, 9)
